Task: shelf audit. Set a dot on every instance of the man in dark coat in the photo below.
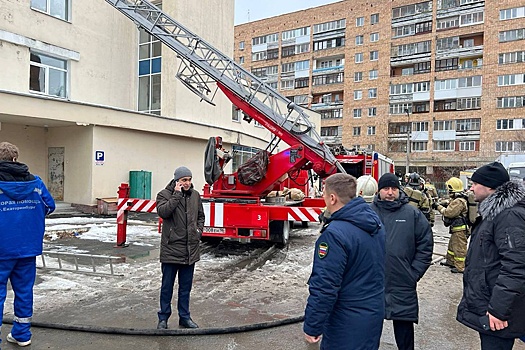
(409, 245)
(346, 302)
(493, 300)
(180, 207)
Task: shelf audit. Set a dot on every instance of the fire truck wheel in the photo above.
(280, 232)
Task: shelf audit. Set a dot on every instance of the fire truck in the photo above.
(358, 162)
(236, 205)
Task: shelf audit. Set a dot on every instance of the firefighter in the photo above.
(454, 216)
(419, 198)
(366, 188)
(431, 190)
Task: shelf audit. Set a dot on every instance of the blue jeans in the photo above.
(22, 274)
(490, 342)
(169, 272)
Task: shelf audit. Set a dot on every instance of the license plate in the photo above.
(220, 230)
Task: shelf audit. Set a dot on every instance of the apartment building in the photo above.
(88, 97)
(436, 85)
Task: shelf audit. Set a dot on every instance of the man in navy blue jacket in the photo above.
(24, 203)
(346, 302)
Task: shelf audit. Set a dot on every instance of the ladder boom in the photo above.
(204, 69)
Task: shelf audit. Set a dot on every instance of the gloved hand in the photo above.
(444, 202)
(435, 205)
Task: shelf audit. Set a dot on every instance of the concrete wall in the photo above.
(32, 144)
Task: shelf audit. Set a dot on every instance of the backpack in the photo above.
(472, 208)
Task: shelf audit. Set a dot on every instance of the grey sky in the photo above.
(250, 10)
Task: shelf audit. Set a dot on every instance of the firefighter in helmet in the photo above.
(454, 216)
(418, 197)
(366, 187)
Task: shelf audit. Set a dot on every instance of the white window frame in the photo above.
(374, 37)
(49, 10)
(358, 95)
(359, 21)
(46, 73)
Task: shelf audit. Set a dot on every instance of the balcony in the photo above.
(326, 70)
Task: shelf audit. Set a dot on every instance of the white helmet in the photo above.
(366, 187)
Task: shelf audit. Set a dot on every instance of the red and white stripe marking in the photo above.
(303, 214)
(214, 214)
(134, 204)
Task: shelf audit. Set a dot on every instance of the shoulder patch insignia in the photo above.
(322, 250)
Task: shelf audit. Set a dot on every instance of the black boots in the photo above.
(187, 323)
(163, 324)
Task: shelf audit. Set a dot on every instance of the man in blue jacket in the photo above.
(346, 302)
(24, 203)
(409, 245)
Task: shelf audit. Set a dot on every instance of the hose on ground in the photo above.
(171, 332)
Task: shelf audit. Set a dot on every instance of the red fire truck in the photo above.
(363, 162)
(236, 205)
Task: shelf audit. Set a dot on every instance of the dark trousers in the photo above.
(169, 272)
(490, 342)
(404, 334)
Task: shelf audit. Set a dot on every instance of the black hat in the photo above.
(388, 180)
(491, 175)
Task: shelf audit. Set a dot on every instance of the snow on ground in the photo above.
(279, 286)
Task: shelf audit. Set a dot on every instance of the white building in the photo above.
(78, 77)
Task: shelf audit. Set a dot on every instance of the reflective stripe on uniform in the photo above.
(450, 252)
(459, 259)
(459, 228)
(22, 319)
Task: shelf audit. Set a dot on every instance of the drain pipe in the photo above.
(171, 332)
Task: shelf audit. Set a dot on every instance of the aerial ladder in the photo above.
(204, 69)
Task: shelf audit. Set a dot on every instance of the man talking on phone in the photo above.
(180, 208)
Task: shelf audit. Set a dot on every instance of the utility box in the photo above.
(140, 184)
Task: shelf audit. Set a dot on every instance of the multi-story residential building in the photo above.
(88, 97)
(437, 85)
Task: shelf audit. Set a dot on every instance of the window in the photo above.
(372, 111)
(302, 82)
(265, 39)
(241, 154)
(443, 146)
(468, 103)
(357, 113)
(511, 102)
(329, 26)
(447, 64)
(372, 93)
(372, 74)
(358, 57)
(374, 55)
(287, 84)
(236, 114)
(419, 146)
(294, 33)
(371, 130)
(330, 131)
(512, 57)
(467, 146)
(512, 35)
(504, 124)
(150, 63)
(55, 8)
(329, 44)
(471, 18)
(241, 45)
(512, 13)
(442, 125)
(359, 40)
(241, 60)
(358, 94)
(359, 21)
(510, 146)
(332, 114)
(374, 18)
(357, 131)
(287, 51)
(48, 75)
(374, 37)
(334, 78)
(358, 76)
(468, 124)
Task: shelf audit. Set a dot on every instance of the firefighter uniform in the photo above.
(454, 216)
(421, 201)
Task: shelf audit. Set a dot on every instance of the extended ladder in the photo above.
(203, 66)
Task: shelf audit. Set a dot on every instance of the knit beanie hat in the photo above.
(181, 172)
(491, 175)
(388, 180)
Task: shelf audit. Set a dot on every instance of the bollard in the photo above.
(122, 215)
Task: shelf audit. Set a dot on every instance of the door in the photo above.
(55, 170)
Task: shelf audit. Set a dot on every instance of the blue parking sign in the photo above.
(99, 157)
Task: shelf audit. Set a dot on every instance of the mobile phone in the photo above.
(485, 322)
